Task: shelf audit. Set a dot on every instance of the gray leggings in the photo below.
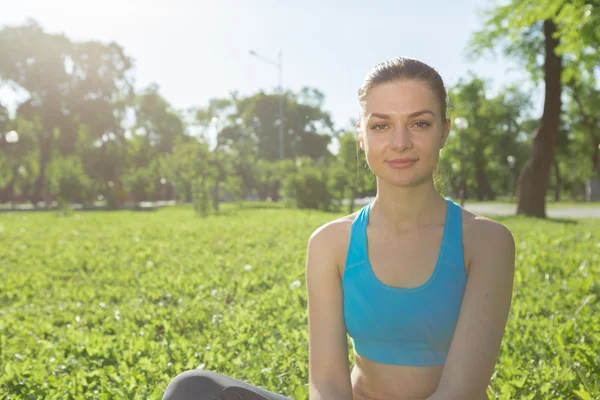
(206, 385)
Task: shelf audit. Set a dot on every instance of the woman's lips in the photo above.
(402, 164)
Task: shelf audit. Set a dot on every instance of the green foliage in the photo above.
(497, 129)
(307, 185)
(189, 160)
(142, 181)
(67, 179)
(114, 305)
(516, 27)
(201, 196)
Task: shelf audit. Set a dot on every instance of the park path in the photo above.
(583, 211)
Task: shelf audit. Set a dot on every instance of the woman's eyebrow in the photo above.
(421, 112)
(412, 115)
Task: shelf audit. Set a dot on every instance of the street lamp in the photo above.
(511, 164)
(462, 124)
(11, 137)
(279, 65)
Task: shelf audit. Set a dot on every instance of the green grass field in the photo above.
(113, 305)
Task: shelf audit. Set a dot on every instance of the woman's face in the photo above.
(402, 121)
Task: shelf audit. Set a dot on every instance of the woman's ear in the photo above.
(445, 133)
(361, 137)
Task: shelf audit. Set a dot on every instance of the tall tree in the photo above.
(560, 30)
(308, 128)
(494, 127)
(68, 83)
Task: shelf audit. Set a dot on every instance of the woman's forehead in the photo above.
(400, 97)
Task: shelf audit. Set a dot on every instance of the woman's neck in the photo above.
(398, 208)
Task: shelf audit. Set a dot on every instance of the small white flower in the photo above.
(149, 264)
(201, 366)
(102, 305)
(214, 292)
(265, 370)
(247, 267)
(78, 318)
(137, 239)
(52, 359)
(295, 284)
(208, 347)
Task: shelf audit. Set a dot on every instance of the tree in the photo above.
(492, 135)
(350, 169)
(156, 120)
(560, 30)
(308, 127)
(19, 161)
(68, 83)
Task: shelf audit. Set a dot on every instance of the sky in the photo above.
(196, 50)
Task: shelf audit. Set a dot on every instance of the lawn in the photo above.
(112, 305)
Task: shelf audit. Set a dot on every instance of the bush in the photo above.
(68, 182)
(307, 187)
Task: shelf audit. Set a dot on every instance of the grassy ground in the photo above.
(113, 305)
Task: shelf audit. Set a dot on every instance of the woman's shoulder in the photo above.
(333, 238)
(481, 235)
(477, 227)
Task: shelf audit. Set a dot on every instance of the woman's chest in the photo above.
(406, 260)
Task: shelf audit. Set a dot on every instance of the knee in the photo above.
(193, 385)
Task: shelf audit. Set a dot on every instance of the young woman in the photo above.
(422, 287)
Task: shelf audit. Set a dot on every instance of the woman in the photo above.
(422, 287)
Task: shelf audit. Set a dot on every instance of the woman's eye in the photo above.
(422, 124)
(378, 127)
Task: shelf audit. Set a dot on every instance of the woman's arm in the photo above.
(483, 314)
(329, 369)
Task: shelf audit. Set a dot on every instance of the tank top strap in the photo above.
(453, 246)
(357, 247)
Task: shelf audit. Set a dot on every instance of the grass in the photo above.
(114, 305)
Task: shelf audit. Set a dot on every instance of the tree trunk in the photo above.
(484, 191)
(596, 152)
(7, 193)
(590, 122)
(353, 193)
(45, 151)
(274, 192)
(558, 185)
(535, 176)
(218, 178)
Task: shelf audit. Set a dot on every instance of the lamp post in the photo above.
(279, 65)
(462, 124)
(11, 138)
(511, 164)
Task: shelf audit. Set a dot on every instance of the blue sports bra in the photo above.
(404, 326)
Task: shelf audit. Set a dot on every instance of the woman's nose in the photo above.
(400, 138)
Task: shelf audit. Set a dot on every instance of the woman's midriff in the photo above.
(375, 381)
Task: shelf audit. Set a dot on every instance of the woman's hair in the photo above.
(404, 68)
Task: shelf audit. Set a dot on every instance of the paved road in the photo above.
(552, 212)
(583, 211)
